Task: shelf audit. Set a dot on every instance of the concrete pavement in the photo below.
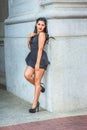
(14, 110)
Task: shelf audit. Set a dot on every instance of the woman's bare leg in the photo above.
(38, 77)
(29, 74)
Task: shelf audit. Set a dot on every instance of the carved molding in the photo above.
(61, 1)
(72, 3)
(21, 7)
(54, 9)
(53, 14)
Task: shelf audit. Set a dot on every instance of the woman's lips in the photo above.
(40, 28)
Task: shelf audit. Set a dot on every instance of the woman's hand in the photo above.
(31, 35)
(37, 67)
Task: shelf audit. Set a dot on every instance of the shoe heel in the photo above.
(38, 106)
(37, 109)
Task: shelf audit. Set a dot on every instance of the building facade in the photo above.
(65, 78)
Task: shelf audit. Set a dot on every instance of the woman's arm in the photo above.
(41, 42)
(29, 38)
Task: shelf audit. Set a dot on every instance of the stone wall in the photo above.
(65, 78)
(3, 16)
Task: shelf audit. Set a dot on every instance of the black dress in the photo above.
(32, 56)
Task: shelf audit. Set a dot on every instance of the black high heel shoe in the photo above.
(42, 88)
(36, 109)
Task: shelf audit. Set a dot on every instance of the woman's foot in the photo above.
(36, 109)
(42, 88)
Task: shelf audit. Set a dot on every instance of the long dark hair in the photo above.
(45, 29)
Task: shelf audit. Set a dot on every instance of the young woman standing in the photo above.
(37, 60)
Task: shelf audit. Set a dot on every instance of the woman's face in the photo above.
(40, 26)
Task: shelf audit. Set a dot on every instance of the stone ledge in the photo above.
(48, 2)
(63, 1)
(50, 14)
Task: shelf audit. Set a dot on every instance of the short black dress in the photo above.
(32, 56)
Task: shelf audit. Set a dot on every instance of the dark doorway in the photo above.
(3, 16)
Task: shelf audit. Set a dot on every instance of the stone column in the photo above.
(65, 78)
(20, 22)
(68, 71)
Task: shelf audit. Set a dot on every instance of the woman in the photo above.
(37, 60)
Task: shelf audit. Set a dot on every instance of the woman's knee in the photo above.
(27, 75)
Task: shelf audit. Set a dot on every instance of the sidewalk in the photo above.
(69, 123)
(14, 115)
